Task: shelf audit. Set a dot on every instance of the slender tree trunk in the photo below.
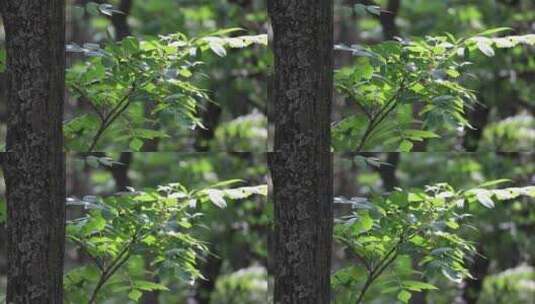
(388, 171)
(471, 288)
(120, 172)
(120, 21)
(34, 163)
(301, 166)
(387, 17)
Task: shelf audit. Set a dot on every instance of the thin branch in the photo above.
(119, 261)
(389, 258)
(121, 106)
(86, 99)
(86, 250)
(348, 244)
(376, 120)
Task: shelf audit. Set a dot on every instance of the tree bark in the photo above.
(301, 165)
(34, 162)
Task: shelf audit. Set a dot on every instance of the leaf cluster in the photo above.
(390, 80)
(425, 223)
(157, 224)
(121, 78)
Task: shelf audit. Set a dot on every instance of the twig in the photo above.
(389, 258)
(87, 100)
(119, 261)
(112, 116)
(376, 120)
(84, 248)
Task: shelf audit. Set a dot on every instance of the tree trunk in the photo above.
(387, 17)
(34, 163)
(301, 166)
(119, 21)
(388, 171)
(120, 172)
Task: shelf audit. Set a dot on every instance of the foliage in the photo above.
(514, 133)
(513, 286)
(156, 224)
(246, 286)
(391, 79)
(2, 60)
(251, 127)
(3, 211)
(427, 224)
(122, 78)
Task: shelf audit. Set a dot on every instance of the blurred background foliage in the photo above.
(503, 236)
(504, 119)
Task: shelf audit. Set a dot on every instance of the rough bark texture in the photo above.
(34, 162)
(301, 166)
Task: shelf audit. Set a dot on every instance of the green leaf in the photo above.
(494, 183)
(225, 31)
(148, 286)
(92, 8)
(95, 223)
(452, 224)
(130, 44)
(440, 251)
(2, 60)
(417, 285)
(134, 295)
(484, 197)
(136, 144)
(150, 134)
(374, 10)
(3, 211)
(218, 48)
(420, 134)
(364, 222)
(485, 47)
(244, 192)
(404, 296)
(108, 9)
(405, 146)
(360, 9)
(217, 197)
(452, 275)
(494, 31)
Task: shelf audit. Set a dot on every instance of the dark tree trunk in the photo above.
(34, 163)
(119, 21)
(471, 288)
(210, 117)
(120, 172)
(478, 118)
(210, 269)
(388, 171)
(301, 166)
(387, 17)
(388, 20)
